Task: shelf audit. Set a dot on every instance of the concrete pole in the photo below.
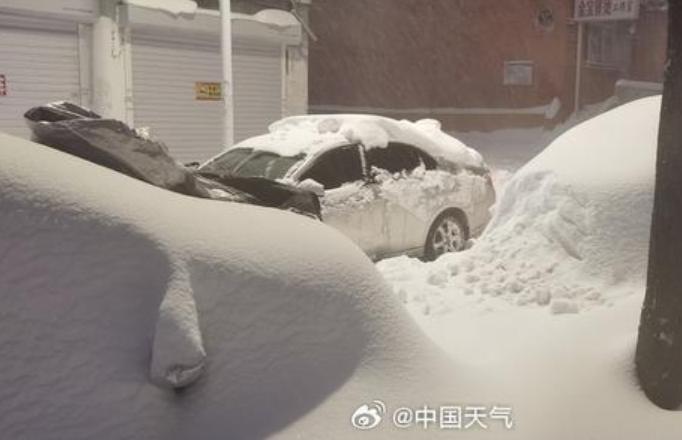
(109, 62)
(227, 83)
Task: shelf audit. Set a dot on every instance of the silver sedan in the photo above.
(397, 196)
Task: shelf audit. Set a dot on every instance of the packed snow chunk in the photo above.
(571, 229)
(311, 133)
(178, 353)
(421, 192)
(371, 136)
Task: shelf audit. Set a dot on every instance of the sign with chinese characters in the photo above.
(606, 10)
(3, 85)
(208, 91)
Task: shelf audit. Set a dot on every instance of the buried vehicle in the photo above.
(113, 144)
(129, 311)
(393, 187)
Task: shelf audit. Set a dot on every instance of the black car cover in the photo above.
(110, 143)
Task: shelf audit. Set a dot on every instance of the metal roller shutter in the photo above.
(258, 88)
(164, 77)
(39, 65)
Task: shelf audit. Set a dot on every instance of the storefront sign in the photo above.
(208, 91)
(606, 10)
(3, 85)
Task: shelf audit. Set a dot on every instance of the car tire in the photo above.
(448, 233)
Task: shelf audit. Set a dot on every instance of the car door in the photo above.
(392, 167)
(350, 204)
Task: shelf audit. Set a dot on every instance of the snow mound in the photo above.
(570, 231)
(310, 134)
(113, 300)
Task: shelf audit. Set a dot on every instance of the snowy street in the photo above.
(340, 220)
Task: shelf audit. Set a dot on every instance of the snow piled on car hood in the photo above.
(570, 231)
(310, 134)
(116, 292)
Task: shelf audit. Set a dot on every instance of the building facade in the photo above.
(480, 64)
(152, 67)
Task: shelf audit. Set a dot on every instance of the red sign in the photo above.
(606, 10)
(3, 85)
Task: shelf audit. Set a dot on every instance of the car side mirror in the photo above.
(313, 186)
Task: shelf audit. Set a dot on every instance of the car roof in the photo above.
(314, 134)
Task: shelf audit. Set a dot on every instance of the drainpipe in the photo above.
(109, 62)
(227, 83)
(579, 65)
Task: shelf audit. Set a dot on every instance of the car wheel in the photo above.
(448, 233)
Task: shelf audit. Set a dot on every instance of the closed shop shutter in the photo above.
(39, 65)
(165, 73)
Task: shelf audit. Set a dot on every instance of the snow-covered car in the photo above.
(113, 144)
(115, 293)
(393, 187)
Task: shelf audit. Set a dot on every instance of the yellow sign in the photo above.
(208, 91)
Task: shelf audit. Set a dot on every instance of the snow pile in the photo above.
(570, 376)
(570, 231)
(424, 193)
(346, 199)
(421, 192)
(277, 324)
(313, 133)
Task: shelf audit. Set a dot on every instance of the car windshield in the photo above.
(247, 162)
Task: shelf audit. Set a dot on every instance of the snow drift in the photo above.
(571, 229)
(116, 294)
(570, 233)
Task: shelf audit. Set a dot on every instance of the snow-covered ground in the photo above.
(505, 151)
(545, 305)
(281, 328)
(114, 293)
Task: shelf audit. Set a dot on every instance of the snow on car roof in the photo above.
(311, 134)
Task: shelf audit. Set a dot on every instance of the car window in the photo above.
(397, 157)
(244, 162)
(228, 161)
(336, 167)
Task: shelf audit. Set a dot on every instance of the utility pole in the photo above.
(227, 83)
(659, 344)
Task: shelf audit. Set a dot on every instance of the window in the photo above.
(608, 45)
(336, 167)
(518, 73)
(225, 163)
(245, 162)
(268, 165)
(398, 157)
